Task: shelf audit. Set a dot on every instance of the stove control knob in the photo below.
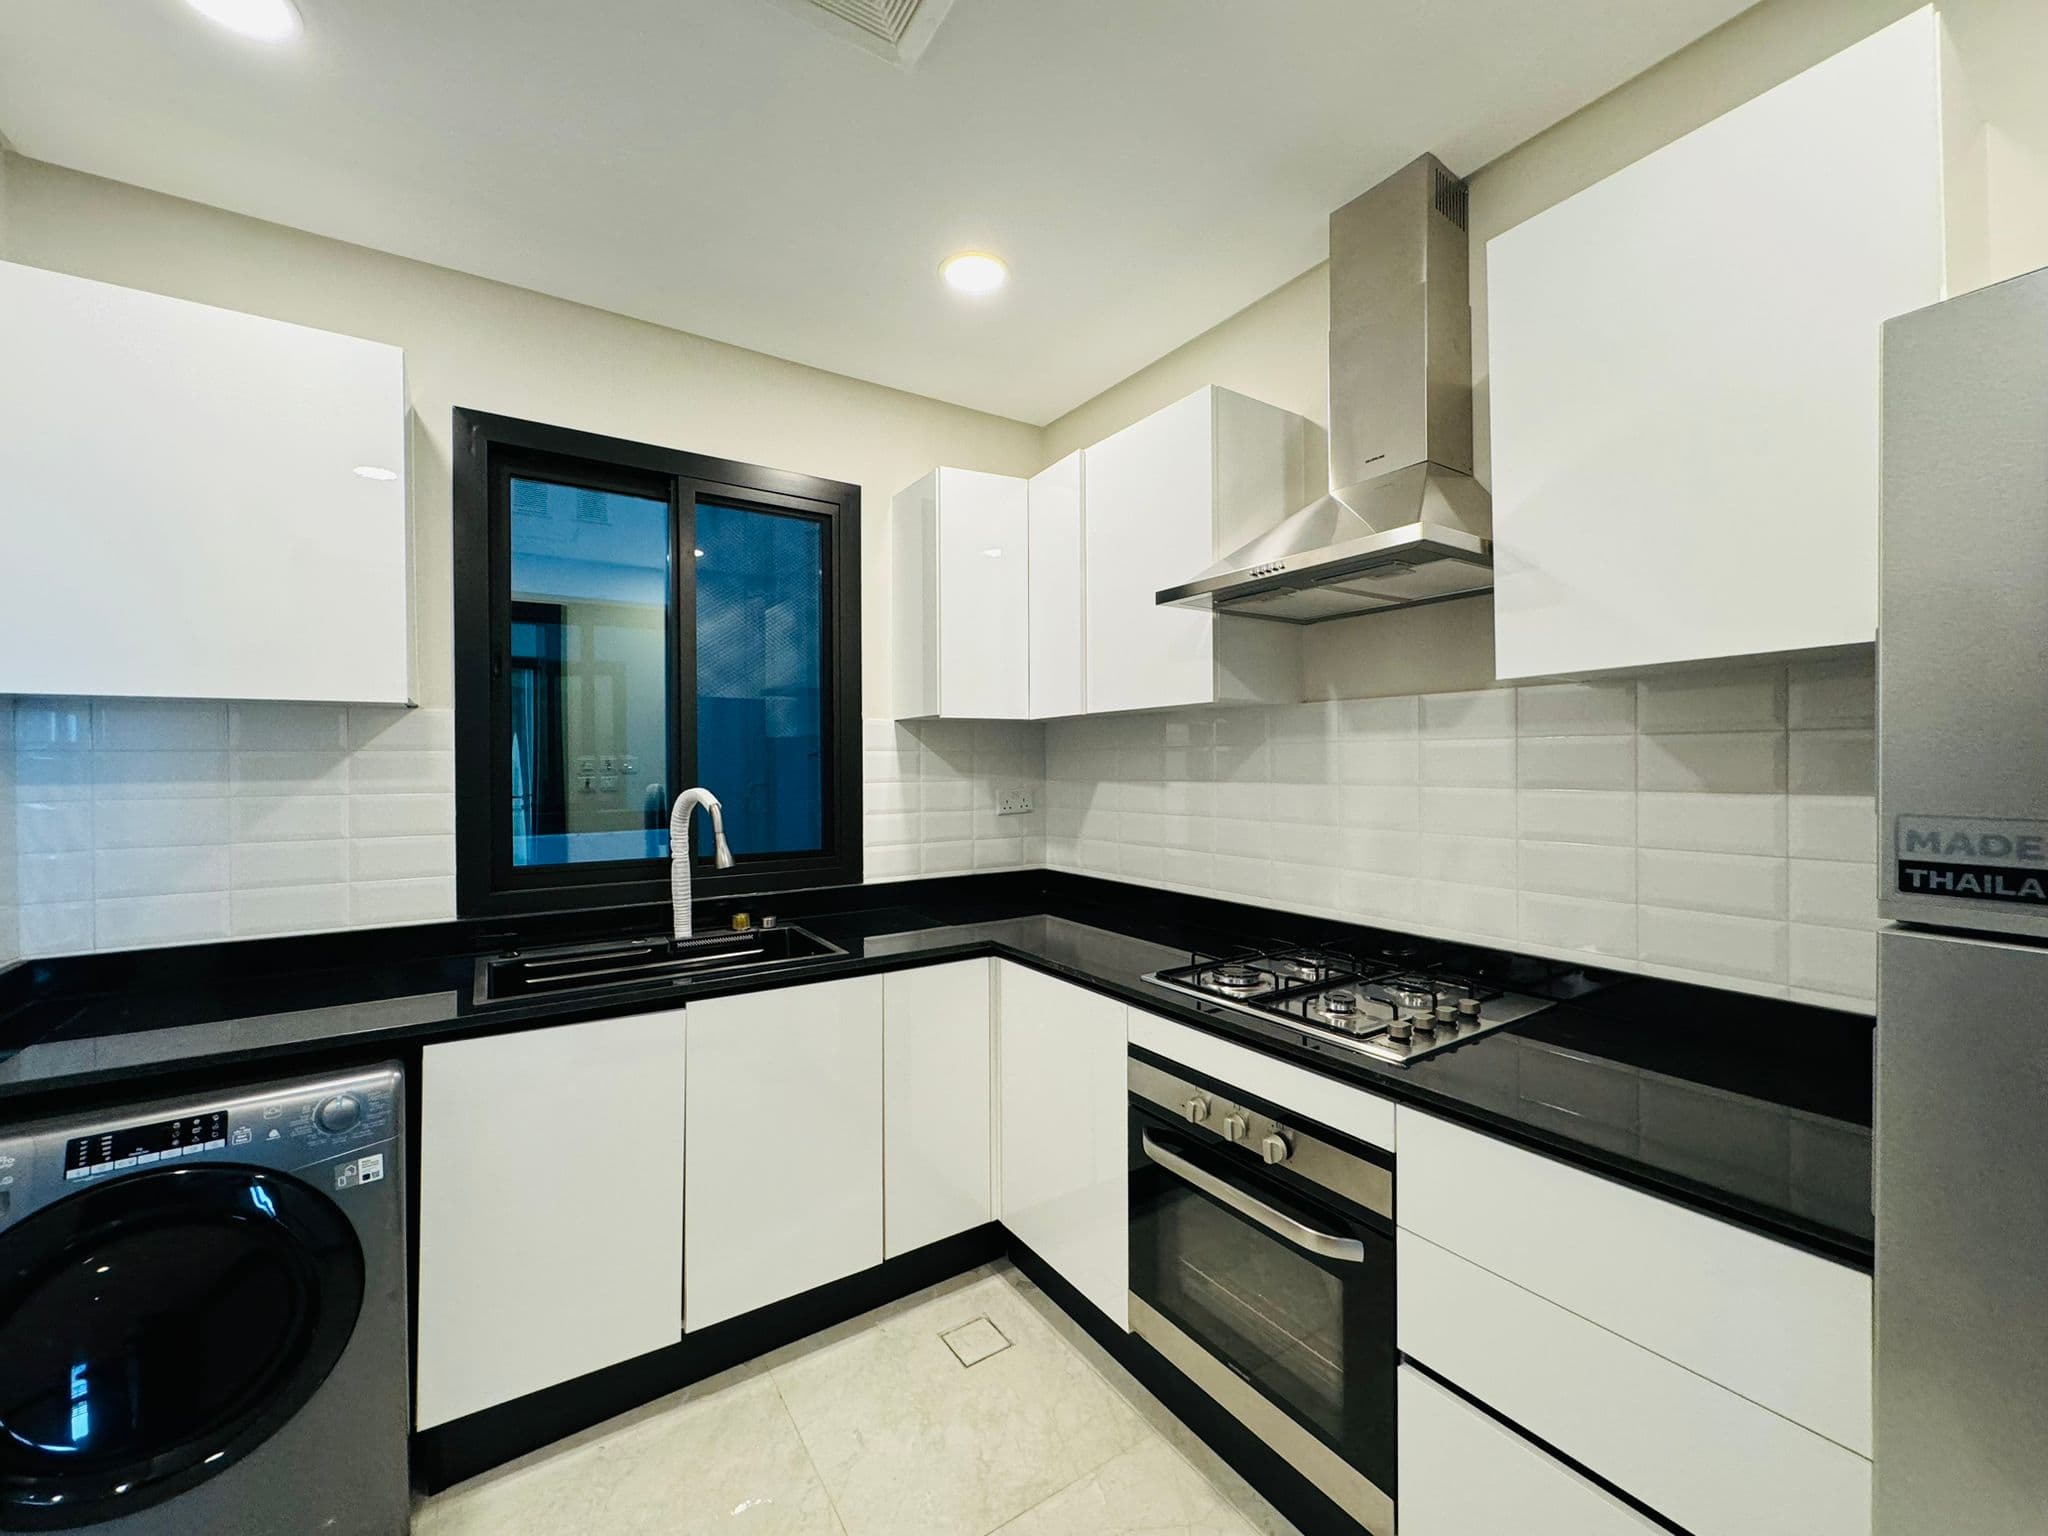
(1196, 1109)
(1401, 1030)
(1468, 1009)
(1274, 1149)
(1235, 1128)
(341, 1113)
(1446, 1015)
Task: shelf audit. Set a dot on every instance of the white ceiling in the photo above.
(1148, 167)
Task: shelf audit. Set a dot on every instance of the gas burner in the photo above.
(1297, 968)
(1234, 978)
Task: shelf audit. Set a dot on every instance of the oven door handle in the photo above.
(1346, 1250)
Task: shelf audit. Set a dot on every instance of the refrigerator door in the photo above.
(1963, 625)
(1962, 1236)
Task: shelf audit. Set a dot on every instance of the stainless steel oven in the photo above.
(1262, 1268)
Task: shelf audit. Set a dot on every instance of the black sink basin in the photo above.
(575, 968)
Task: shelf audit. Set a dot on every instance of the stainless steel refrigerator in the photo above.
(1962, 1003)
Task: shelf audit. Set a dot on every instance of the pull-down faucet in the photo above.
(679, 850)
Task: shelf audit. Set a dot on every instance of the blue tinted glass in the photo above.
(590, 675)
(760, 710)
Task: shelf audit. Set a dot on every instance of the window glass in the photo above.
(589, 675)
(760, 671)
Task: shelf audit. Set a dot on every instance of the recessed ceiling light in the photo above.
(265, 21)
(376, 472)
(974, 272)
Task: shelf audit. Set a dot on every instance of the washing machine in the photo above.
(202, 1315)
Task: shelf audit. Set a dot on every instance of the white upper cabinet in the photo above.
(962, 600)
(1059, 622)
(179, 504)
(1684, 375)
(1166, 497)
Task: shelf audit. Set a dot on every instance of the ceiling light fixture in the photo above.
(262, 21)
(974, 272)
(376, 472)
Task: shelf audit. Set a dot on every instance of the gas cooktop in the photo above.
(1388, 1011)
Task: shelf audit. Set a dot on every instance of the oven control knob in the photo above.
(1274, 1148)
(341, 1113)
(1401, 1030)
(1235, 1128)
(1468, 1008)
(1446, 1015)
(1196, 1109)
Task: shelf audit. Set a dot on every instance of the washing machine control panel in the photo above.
(134, 1146)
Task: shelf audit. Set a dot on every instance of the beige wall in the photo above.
(483, 344)
(1997, 200)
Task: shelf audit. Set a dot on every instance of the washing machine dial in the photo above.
(343, 1112)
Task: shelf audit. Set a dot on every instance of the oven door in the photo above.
(1276, 1297)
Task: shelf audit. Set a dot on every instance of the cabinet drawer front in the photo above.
(1464, 1474)
(1781, 1327)
(1337, 1105)
(1715, 1463)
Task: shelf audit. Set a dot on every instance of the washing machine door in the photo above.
(156, 1329)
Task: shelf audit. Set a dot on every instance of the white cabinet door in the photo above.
(1683, 368)
(785, 1145)
(551, 1207)
(179, 504)
(1149, 525)
(962, 597)
(1062, 1132)
(937, 1087)
(1466, 1474)
(1058, 622)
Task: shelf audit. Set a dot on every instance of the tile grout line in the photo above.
(810, 1458)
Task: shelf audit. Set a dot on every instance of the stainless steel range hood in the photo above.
(1406, 522)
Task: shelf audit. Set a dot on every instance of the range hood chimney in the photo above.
(1405, 522)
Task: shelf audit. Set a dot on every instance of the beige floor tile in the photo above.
(728, 1462)
(911, 1443)
(1149, 1491)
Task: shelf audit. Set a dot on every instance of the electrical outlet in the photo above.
(1014, 801)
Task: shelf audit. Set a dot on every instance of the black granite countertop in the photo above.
(1754, 1110)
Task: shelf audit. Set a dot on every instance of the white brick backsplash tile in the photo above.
(946, 795)
(294, 863)
(387, 730)
(1834, 763)
(1189, 868)
(42, 826)
(50, 879)
(1842, 961)
(151, 775)
(1588, 870)
(46, 722)
(1381, 805)
(1242, 877)
(1380, 760)
(278, 818)
(1833, 694)
(57, 773)
(159, 871)
(898, 863)
(1371, 894)
(401, 772)
(290, 773)
(1480, 812)
(1576, 762)
(1391, 717)
(1381, 852)
(999, 853)
(891, 829)
(1734, 701)
(1488, 861)
(158, 724)
(1299, 762)
(1241, 839)
(1712, 943)
(1305, 802)
(948, 858)
(159, 823)
(374, 902)
(1575, 709)
(1712, 823)
(1576, 816)
(137, 922)
(401, 858)
(888, 767)
(1467, 909)
(1603, 928)
(1299, 842)
(1488, 712)
(1742, 885)
(945, 826)
(1840, 827)
(1729, 763)
(268, 727)
(1478, 762)
(1839, 895)
(400, 815)
(61, 928)
(287, 909)
(1140, 864)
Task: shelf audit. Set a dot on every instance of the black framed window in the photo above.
(633, 620)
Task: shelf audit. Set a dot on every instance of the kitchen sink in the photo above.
(569, 969)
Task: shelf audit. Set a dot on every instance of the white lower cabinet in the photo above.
(785, 1145)
(1464, 1473)
(937, 1090)
(551, 1207)
(1062, 1132)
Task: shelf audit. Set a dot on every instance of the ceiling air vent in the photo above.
(1451, 196)
(898, 30)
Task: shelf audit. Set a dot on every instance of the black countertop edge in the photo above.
(916, 923)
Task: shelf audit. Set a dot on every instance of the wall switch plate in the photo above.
(1014, 801)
